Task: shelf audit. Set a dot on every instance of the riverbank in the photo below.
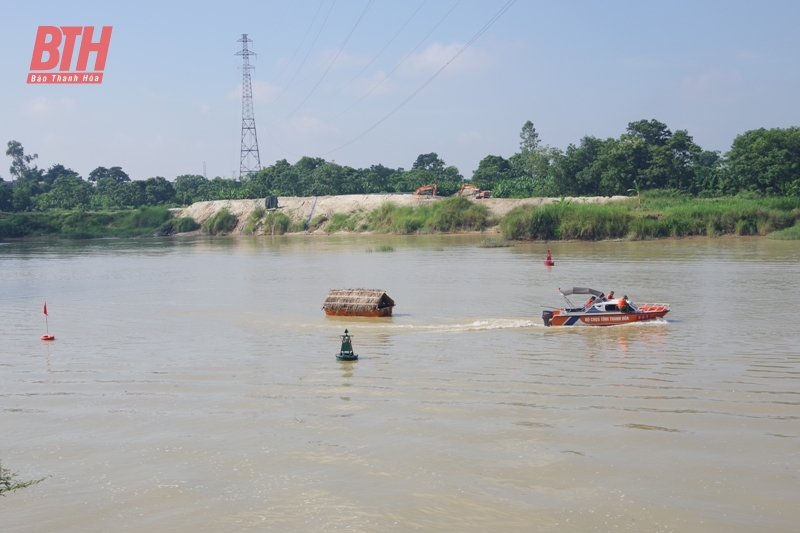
(145, 221)
(657, 214)
(320, 212)
(654, 216)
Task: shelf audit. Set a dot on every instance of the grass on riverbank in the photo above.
(448, 215)
(661, 215)
(222, 222)
(788, 234)
(144, 221)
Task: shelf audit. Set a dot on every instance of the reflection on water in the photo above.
(194, 387)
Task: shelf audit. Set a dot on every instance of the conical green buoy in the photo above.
(346, 353)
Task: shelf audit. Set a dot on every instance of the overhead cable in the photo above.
(307, 54)
(341, 47)
(378, 54)
(494, 19)
(400, 63)
(301, 42)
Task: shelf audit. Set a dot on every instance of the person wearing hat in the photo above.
(623, 304)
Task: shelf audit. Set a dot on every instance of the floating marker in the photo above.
(549, 261)
(346, 352)
(47, 336)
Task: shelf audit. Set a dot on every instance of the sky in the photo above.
(356, 81)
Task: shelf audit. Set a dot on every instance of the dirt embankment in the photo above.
(300, 208)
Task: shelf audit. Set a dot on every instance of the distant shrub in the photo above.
(222, 222)
(177, 225)
(276, 223)
(495, 243)
(185, 224)
(661, 215)
(343, 222)
(788, 234)
(253, 220)
(146, 217)
(448, 215)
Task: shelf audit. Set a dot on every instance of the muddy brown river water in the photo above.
(193, 387)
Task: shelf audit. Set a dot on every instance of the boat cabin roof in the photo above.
(581, 290)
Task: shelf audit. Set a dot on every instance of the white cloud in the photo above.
(712, 87)
(47, 108)
(436, 55)
(264, 92)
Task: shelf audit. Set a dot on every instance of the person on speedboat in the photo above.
(590, 302)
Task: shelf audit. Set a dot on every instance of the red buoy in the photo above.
(47, 336)
(549, 261)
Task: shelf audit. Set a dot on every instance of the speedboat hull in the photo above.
(560, 318)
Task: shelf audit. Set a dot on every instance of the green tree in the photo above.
(5, 196)
(491, 170)
(766, 161)
(529, 139)
(55, 172)
(431, 169)
(68, 192)
(21, 198)
(115, 173)
(20, 163)
(158, 191)
(189, 188)
(378, 179)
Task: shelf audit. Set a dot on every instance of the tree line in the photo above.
(647, 156)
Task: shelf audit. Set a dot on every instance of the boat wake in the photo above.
(477, 325)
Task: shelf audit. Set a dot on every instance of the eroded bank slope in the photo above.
(299, 209)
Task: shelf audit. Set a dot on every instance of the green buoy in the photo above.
(346, 353)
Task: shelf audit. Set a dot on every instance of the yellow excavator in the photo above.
(427, 190)
(469, 189)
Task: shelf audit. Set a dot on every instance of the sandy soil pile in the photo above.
(299, 208)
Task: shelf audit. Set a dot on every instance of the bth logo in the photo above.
(48, 54)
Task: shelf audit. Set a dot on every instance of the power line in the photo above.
(378, 54)
(400, 63)
(341, 47)
(494, 19)
(307, 54)
(301, 42)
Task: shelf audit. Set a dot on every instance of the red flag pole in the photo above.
(47, 336)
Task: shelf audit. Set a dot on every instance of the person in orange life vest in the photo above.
(589, 302)
(623, 304)
(610, 296)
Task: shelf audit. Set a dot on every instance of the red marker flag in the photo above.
(45, 309)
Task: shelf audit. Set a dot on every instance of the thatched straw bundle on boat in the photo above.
(358, 302)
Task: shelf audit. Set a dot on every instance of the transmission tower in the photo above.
(249, 161)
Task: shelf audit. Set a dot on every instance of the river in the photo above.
(193, 387)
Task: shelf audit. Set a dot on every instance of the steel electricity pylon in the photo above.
(249, 160)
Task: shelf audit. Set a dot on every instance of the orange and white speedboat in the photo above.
(601, 311)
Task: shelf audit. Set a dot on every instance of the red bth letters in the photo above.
(46, 54)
